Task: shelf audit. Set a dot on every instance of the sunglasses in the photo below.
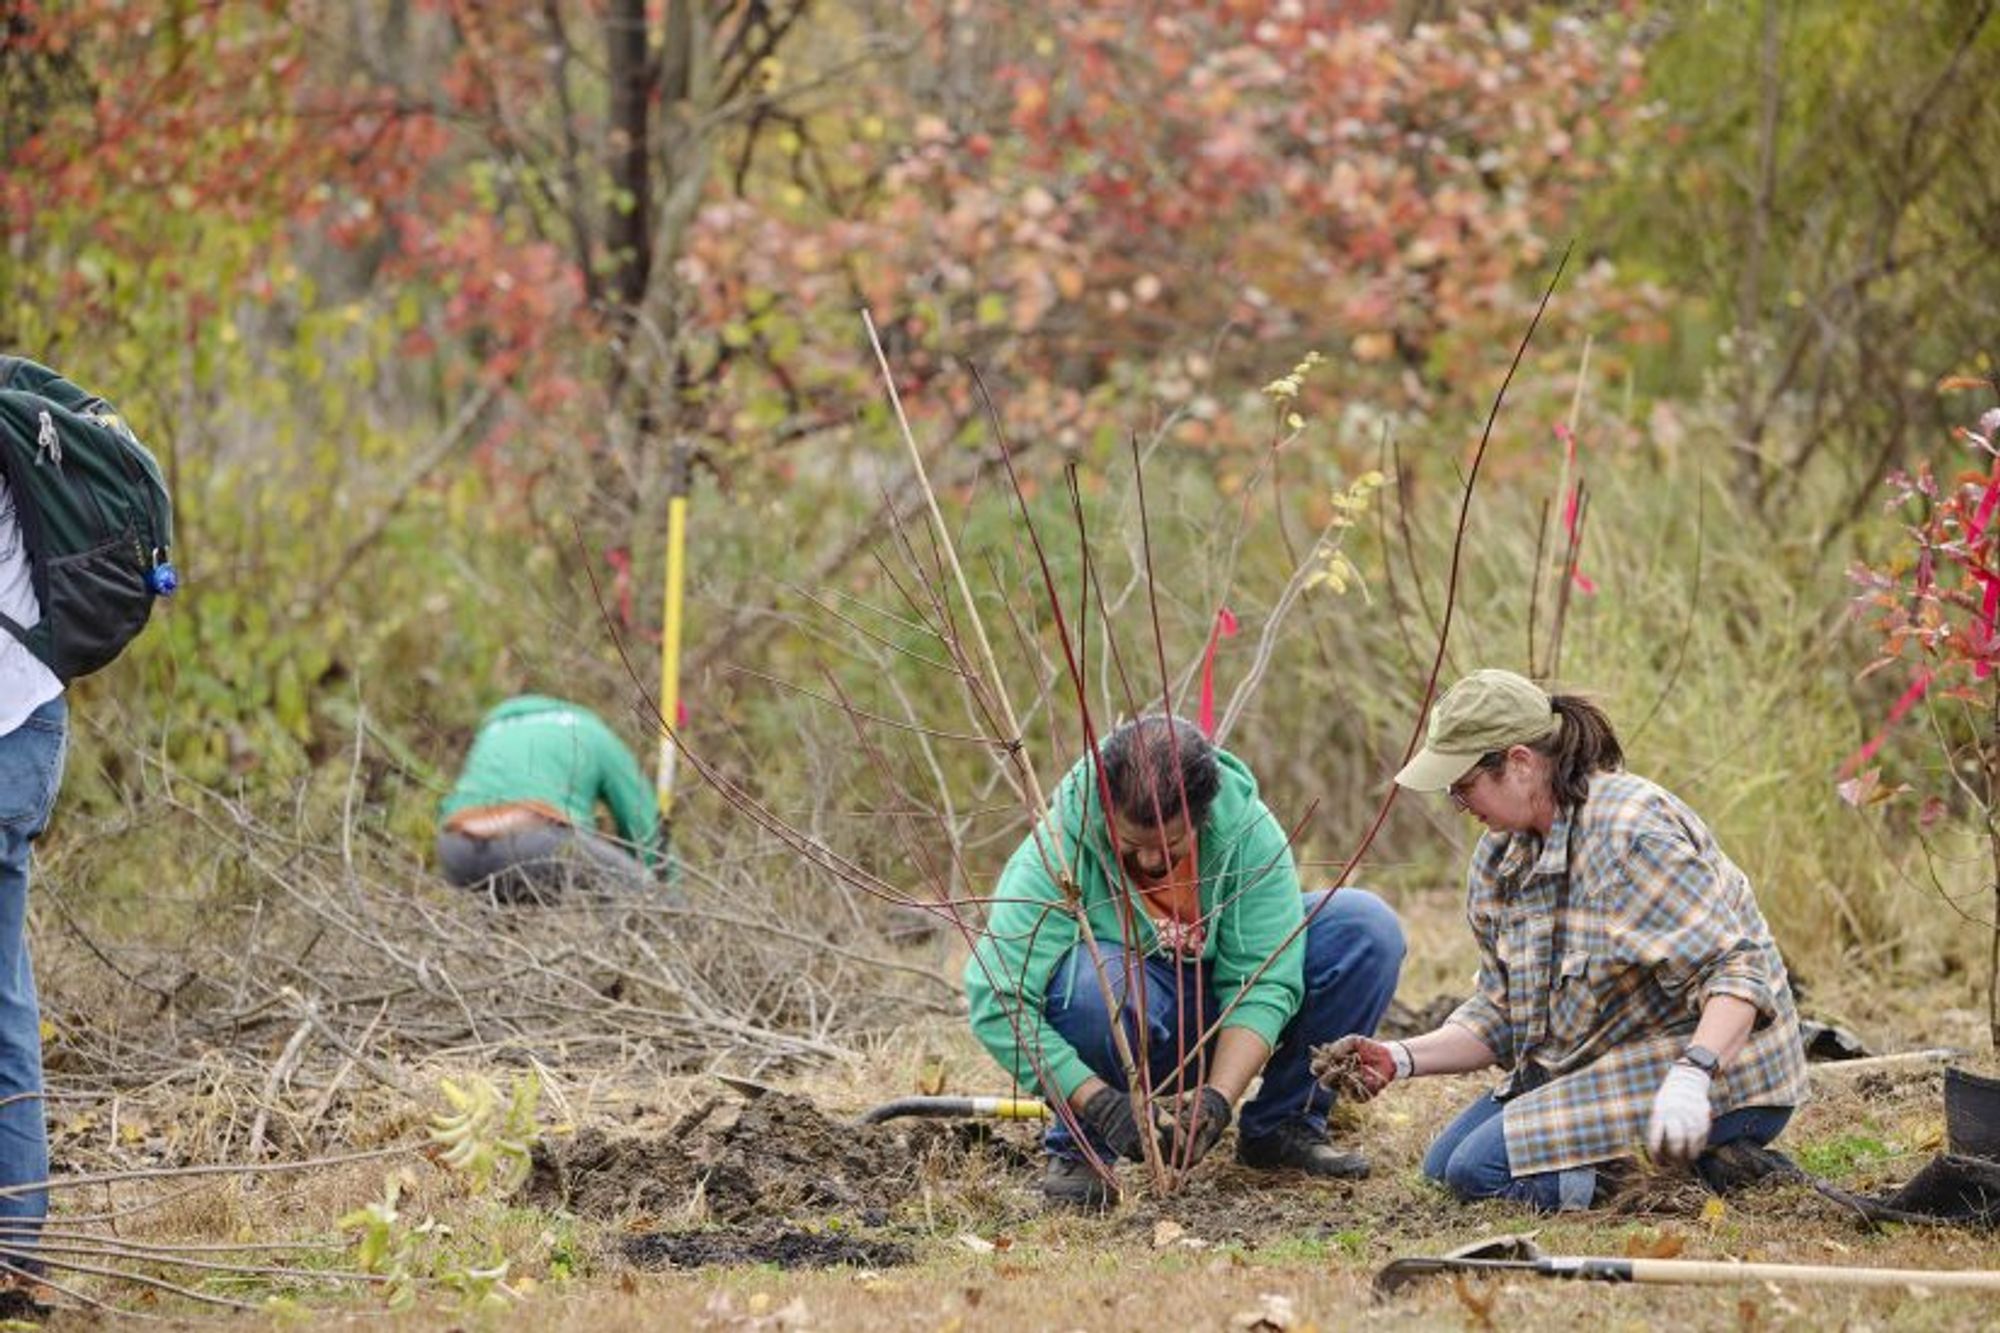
(1488, 763)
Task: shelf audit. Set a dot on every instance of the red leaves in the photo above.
(1944, 601)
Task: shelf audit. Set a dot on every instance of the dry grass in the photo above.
(1235, 1247)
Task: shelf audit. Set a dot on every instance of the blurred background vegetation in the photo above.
(418, 299)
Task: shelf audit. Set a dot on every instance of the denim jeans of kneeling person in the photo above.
(31, 763)
(1354, 949)
(1470, 1157)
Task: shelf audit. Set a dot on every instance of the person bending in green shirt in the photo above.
(1193, 898)
(521, 825)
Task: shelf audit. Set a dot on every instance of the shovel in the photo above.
(1518, 1254)
(996, 1108)
(993, 1108)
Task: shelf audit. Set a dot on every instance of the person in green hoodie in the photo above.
(1200, 931)
(521, 824)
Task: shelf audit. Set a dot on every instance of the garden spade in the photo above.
(994, 1108)
(1518, 1254)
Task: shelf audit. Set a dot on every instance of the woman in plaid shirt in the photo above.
(1627, 982)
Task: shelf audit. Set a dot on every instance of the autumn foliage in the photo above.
(1129, 203)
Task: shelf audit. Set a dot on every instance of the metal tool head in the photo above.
(749, 1087)
(1517, 1246)
(1504, 1254)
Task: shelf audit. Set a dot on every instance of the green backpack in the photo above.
(94, 514)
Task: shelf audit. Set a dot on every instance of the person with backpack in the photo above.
(521, 823)
(85, 527)
(34, 728)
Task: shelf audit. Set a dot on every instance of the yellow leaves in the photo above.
(1350, 504)
(490, 1142)
(1335, 571)
(1332, 566)
(1285, 388)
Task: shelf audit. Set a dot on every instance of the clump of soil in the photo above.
(778, 1158)
(785, 1248)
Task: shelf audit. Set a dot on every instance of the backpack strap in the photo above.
(14, 627)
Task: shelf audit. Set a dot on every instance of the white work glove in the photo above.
(1678, 1129)
(1358, 1068)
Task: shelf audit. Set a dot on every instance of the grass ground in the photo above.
(943, 1230)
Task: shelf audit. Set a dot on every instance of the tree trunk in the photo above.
(628, 218)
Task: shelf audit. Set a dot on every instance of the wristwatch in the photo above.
(1702, 1058)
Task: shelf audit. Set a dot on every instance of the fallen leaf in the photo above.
(1713, 1212)
(1166, 1231)
(977, 1244)
(1478, 1304)
(1661, 1245)
(1274, 1314)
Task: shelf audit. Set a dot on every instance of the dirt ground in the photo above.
(779, 1212)
(697, 1205)
(771, 1213)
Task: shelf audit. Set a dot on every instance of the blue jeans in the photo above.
(1470, 1157)
(31, 762)
(1354, 949)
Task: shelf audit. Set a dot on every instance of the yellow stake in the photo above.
(670, 644)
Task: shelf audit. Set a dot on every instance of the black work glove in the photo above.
(1197, 1124)
(1108, 1116)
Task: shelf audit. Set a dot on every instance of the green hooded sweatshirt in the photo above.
(532, 748)
(1249, 902)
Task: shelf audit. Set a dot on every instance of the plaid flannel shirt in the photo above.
(1599, 945)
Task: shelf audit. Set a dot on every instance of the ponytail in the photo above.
(1582, 745)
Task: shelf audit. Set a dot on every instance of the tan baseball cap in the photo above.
(1489, 710)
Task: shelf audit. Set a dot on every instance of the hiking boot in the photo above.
(1296, 1146)
(25, 1303)
(1070, 1183)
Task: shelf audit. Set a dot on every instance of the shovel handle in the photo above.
(1400, 1272)
(996, 1108)
(1825, 1275)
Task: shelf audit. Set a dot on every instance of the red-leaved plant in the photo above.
(1935, 603)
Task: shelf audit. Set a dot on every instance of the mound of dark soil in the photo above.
(785, 1248)
(776, 1159)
